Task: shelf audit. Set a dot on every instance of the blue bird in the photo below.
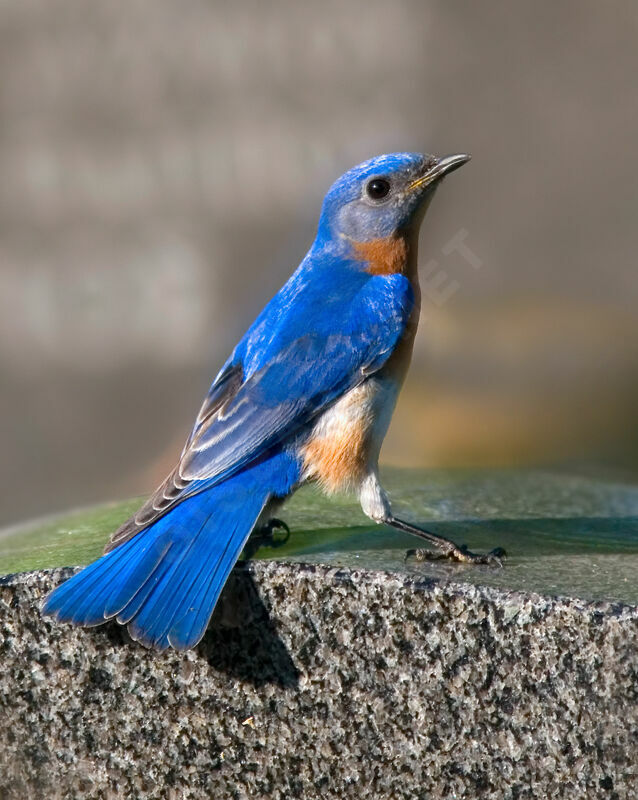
(306, 395)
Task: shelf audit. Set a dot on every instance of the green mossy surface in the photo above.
(564, 535)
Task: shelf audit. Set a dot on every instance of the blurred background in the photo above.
(162, 168)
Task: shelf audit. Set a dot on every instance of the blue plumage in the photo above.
(306, 365)
(321, 363)
(164, 582)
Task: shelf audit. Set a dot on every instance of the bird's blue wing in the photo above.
(175, 488)
(313, 358)
(224, 388)
(303, 378)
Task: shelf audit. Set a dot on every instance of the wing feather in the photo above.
(244, 417)
(175, 487)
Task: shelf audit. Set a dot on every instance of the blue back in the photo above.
(332, 325)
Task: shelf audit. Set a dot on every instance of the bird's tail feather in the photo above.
(165, 581)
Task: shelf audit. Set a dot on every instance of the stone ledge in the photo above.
(323, 682)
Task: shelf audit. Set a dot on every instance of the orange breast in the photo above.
(384, 256)
(337, 463)
(337, 452)
(387, 256)
(347, 439)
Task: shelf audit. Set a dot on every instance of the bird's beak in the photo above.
(442, 167)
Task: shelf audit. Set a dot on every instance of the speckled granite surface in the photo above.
(317, 682)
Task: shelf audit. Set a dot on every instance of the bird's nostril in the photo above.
(429, 163)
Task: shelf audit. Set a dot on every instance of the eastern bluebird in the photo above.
(306, 395)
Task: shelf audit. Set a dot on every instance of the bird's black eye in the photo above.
(378, 188)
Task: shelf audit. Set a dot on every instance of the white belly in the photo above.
(343, 446)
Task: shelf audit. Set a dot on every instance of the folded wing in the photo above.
(242, 420)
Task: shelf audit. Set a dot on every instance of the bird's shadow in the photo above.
(242, 639)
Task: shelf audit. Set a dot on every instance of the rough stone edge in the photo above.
(263, 570)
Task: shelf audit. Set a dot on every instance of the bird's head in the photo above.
(384, 196)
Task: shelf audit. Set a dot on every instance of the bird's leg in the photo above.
(376, 504)
(447, 548)
(263, 536)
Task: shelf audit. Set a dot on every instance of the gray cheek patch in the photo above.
(362, 222)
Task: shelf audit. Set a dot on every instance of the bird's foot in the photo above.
(446, 547)
(266, 533)
(459, 554)
(264, 536)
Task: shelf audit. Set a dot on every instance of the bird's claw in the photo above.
(263, 537)
(266, 533)
(459, 554)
